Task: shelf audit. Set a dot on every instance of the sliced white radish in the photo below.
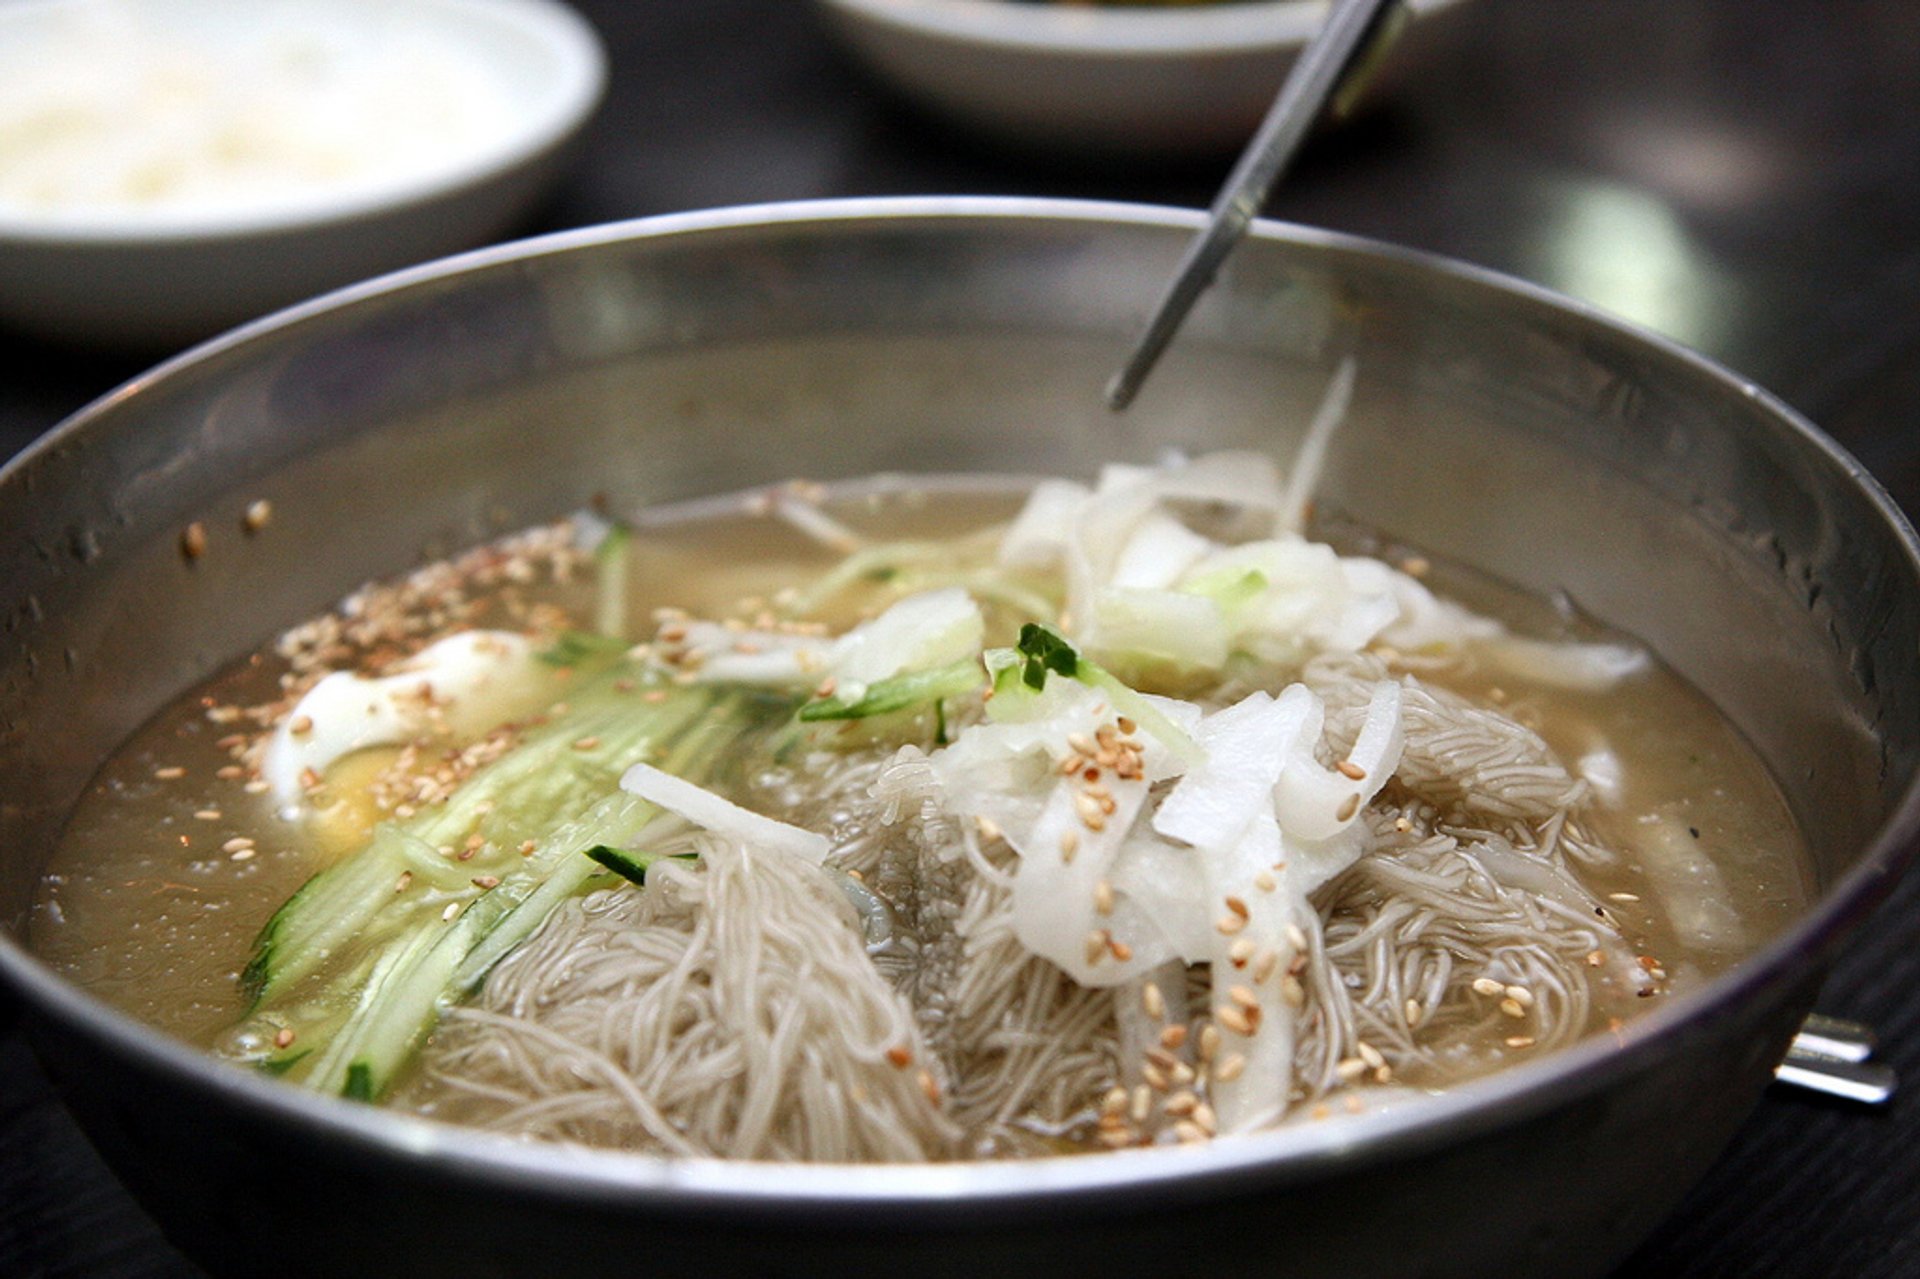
(722, 816)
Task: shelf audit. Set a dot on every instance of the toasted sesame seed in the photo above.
(258, 786)
(1319, 1111)
(400, 884)
(1102, 896)
(527, 847)
(230, 772)
(1234, 1018)
(1402, 825)
(1520, 995)
(929, 1087)
(1238, 906)
(207, 815)
(257, 515)
(1348, 808)
(902, 1056)
(1369, 1054)
(1292, 993)
(1141, 1104)
(1209, 1042)
(1520, 1041)
(1162, 1058)
(486, 881)
(988, 828)
(453, 908)
(1203, 1116)
(171, 773)
(1488, 986)
(1120, 950)
(1189, 1132)
(1353, 1103)
(1172, 1036)
(1096, 945)
(1296, 937)
(1350, 770)
(1181, 1104)
(1512, 1008)
(1244, 996)
(1127, 727)
(300, 724)
(1413, 1012)
(283, 1037)
(1623, 897)
(1350, 1069)
(193, 540)
(1156, 1078)
(1241, 951)
(1229, 924)
(1265, 882)
(242, 854)
(1230, 1069)
(235, 844)
(1415, 566)
(1264, 964)
(586, 743)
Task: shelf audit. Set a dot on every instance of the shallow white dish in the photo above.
(157, 273)
(1137, 80)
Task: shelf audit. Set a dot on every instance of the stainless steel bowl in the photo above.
(1494, 423)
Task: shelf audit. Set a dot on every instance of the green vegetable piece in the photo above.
(359, 1085)
(582, 648)
(630, 866)
(281, 1065)
(1045, 650)
(900, 692)
(610, 563)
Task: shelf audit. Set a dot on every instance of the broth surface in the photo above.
(178, 853)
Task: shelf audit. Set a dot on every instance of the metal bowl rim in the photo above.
(1296, 1152)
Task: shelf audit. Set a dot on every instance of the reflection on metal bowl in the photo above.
(1495, 424)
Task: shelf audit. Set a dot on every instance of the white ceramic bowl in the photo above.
(1133, 80)
(156, 273)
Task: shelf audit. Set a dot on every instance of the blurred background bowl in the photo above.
(158, 273)
(1107, 80)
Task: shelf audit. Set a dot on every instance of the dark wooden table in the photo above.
(1742, 176)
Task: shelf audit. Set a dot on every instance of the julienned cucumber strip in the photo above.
(432, 959)
(400, 1003)
(901, 691)
(610, 564)
(531, 788)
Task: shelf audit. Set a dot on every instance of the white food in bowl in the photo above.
(171, 167)
(1120, 80)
